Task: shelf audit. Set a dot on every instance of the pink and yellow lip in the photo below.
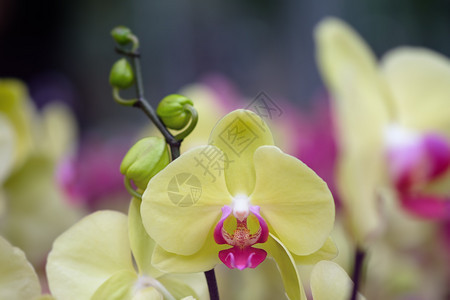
(242, 254)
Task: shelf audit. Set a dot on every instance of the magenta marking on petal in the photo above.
(262, 223)
(237, 258)
(218, 236)
(438, 151)
(428, 207)
(420, 161)
(403, 162)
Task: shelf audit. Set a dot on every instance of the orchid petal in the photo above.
(328, 251)
(286, 266)
(18, 280)
(330, 281)
(295, 202)
(238, 135)
(182, 202)
(16, 105)
(218, 236)
(364, 108)
(262, 224)
(7, 142)
(248, 257)
(426, 206)
(178, 288)
(361, 96)
(141, 243)
(203, 260)
(420, 83)
(87, 254)
(60, 128)
(149, 293)
(36, 215)
(117, 287)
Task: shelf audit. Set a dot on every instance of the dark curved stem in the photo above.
(143, 104)
(212, 285)
(357, 270)
(173, 142)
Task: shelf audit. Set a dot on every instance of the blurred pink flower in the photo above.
(416, 161)
(93, 175)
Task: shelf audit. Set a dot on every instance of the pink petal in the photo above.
(262, 223)
(419, 162)
(438, 149)
(236, 258)
(429, 207)
(218, 237)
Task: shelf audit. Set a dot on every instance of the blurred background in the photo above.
(63, 49)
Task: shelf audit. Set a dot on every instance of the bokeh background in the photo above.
(63, 50)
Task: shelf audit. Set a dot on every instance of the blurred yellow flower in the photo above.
(393, 120)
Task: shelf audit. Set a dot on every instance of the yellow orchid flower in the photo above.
(393, 120)
(18, 279)
(266, 197)
(34, 208)
(94, 260)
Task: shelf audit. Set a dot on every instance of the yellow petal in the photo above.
(88, 254)
(141, 243)
(286, 266)
(60, 130)
(183, 202)
(238, 135)
(45, 297)
(37, 214)
(327, 252)
(18, 280)
(177, 288)
(295, 201)
(361, 98)
(329, 281)
(363, 109)
(118, 287)
(359, 182)
(7, 142)
(149, 293)
(203, 260)
(15, 104)
(420, 83)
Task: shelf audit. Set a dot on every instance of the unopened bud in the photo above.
(172, 112)
(121, 35)
(121, 75)
(144, 160)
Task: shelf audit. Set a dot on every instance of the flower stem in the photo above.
(212, 285)
(357, 270)
(143, 104)
(173, 142)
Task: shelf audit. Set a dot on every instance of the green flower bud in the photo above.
(121, 35)
(121, 75)
(144, 160)
(172, 112)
